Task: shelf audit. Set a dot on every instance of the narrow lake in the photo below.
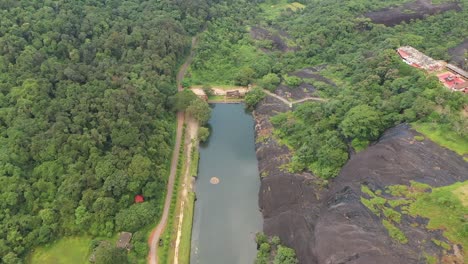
(227, 214)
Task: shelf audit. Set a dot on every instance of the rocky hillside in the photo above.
(328, 222)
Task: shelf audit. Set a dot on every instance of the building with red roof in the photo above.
(453, 81)
(139, 198)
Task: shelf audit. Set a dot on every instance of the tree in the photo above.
(363, 122)
(253, 97)
(245, 76)
(203, 134)
(183, 99)
(11, 258)
(135, 217)
(200, 110)
(292, 81)
(285, 255)
(270, 81)
(208, 91)
(107, 254)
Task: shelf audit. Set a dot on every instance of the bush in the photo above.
(292, 81)
(203, 134)
(359, 145)
(285, 255)
(261, 238)
(208, 90)
(253, 97)
(270, 81)
(200, 110)
(394, 232)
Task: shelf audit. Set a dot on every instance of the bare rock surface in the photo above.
(418, 9)
(327, 223)
(458, 55)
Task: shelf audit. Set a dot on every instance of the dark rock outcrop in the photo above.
(330, 225)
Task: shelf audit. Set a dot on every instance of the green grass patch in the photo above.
(395, 232)
(365, 189)
(216, 98)
(69, 250)
(441, 244)
(186, 238)
(392, 215)
(397, 202)
(273, 9)
(223, 65)
(419, 138)
(442, 136)
(195, 160)
(430, 259)
(444, 207)
(444, 211)
(367, 203)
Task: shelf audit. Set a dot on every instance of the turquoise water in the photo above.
(227, 214)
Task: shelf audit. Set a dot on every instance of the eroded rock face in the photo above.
(330, 225)
(418, 9)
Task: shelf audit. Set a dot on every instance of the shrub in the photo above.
(253, 97)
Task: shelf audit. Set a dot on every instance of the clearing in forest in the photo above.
(273, 9)
(68, 250)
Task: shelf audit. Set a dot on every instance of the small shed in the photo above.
(233, 94)
(124, 240)
(139, 198)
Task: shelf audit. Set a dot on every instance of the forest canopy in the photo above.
(85, 120)
(369, 89)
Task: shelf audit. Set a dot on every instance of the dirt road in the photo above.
(156, 232)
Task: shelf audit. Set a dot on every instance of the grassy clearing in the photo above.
(445, 211)
(443, 137)
(68, 250)
(273, 9)
(222, 67)
(462, 194)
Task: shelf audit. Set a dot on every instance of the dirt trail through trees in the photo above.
(156, 232)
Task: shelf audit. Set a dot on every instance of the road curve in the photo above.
(156, 232)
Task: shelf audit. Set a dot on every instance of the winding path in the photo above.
(291, 103)
(156, 232)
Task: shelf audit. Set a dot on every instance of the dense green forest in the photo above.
(85, 120)
(374, 89)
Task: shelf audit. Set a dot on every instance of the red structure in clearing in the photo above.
(139, 198)
(453, 81)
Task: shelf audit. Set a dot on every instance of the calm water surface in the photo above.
(227, 214)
